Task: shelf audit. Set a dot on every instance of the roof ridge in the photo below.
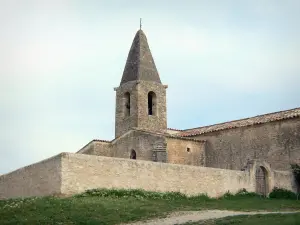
(174, 129)
(263, 118)
(266, 114)
(167, 135)
(148, 131)
(184, 138)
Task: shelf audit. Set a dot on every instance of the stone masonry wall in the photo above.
(97, 147)
(158, 121)
(82, 172)
(277, 143)
(123, 145)
(124, 123)
(87, 149)
(69, 173)
(39, 179)
(142, 143)
(284, 179)
(186, 152)
(102, 148)
(139, 107)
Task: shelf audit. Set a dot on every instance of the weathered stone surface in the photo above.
(70, 173)
(39, 179)
(186, 152)
(139, 116)
(284, 179)
(139, 141)
(140, 63)
(81, 172)
(277, 143)
(97, 147)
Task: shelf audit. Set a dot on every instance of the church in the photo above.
(141, 127)
(253, 153)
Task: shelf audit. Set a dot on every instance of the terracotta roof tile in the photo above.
(168, 135)
(281, 115)
(174, 129)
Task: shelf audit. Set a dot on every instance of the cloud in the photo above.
(60, 60)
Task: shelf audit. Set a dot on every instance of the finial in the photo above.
(140, 23)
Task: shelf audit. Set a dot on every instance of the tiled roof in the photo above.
(168, 135)
(184, 138)
(281, 115)
(149, 131)
(174, 129)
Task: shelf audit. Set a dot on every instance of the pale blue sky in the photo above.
(60, 60)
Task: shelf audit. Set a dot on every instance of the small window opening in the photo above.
(151, 103)
(133, 154)
(188, 149)
(127, 104)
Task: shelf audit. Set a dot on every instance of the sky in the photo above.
(60, 60)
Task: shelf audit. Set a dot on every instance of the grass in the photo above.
(120, 206)
(275, 219)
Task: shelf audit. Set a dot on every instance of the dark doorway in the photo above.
(133, 154)
(261, 181)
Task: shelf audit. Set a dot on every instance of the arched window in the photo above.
(127, 104)
(151, 103)
(133, 154)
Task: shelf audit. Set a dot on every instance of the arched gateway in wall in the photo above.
(261, 180)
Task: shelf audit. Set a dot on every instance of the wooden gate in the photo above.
(261, 181)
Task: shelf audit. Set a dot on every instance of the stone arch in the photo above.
(152, 103)
(261, 180)
(133, 154)
(127, 104)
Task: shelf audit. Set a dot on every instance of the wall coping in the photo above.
(145, 162)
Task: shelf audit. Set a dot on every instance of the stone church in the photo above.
(253, 153)
(141, 127)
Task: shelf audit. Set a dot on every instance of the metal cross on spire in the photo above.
(140, 23)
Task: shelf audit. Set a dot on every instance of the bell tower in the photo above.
(141, 97)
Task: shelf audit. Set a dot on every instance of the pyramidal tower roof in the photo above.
(140, 64)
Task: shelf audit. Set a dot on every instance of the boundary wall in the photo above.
(70, 173)
(38, 179)
(81, 172)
